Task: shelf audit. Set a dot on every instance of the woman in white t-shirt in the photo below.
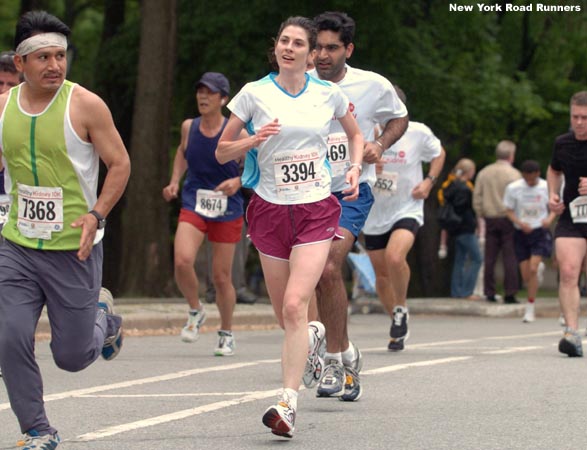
(292, 217)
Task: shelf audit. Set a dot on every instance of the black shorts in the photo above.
(566, 228)
(537, 243)
(379, 241)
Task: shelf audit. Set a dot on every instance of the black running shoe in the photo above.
(399, 323)
(395, 345)
(399, 329)
(510, 300)
(571, 345)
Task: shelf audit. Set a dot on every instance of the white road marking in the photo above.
(465, 341)
(246, 397)
(188, 394)
(141, 381)
(396, 367)
(511, 350)
(524, 336)
(437, 344)
(179, 415)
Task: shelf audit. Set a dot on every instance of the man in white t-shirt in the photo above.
(373, 101)
(526, 202)
(396, 216)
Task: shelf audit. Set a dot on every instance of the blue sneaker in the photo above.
(112, 343)
(352, 386)
(333, 380)
(33, 441)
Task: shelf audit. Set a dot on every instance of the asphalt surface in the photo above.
(463, 382)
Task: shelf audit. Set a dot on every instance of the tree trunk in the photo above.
(146, 261)
(430, 276)
(29, 5)
(113, 92)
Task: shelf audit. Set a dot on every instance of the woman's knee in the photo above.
(222, 280)
(294, 311)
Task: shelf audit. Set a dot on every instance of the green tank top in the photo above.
(51, 173)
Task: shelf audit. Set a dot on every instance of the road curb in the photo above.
(170, 314)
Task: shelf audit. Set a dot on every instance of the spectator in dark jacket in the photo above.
(468, 259)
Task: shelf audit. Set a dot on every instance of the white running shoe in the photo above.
(529, 315)
(333, 381)
(191, 330)
(357, 362)
(226, 344)
(281, 418)
(315, 361)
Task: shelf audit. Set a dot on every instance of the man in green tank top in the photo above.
(53, 134)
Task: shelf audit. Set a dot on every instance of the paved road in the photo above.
(462, 383)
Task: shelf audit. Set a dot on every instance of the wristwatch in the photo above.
(101, 219)
(432, 178)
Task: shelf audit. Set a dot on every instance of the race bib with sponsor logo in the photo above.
(299, 176)
(40, 211)
(386, 183)
(338, 154)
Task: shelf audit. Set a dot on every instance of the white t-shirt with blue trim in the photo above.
(293, 168)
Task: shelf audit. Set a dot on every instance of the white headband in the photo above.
(39, 41)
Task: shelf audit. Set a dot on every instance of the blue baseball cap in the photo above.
(216, 82)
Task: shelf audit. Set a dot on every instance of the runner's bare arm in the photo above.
(356, 143)
(92, 120)
(180, 165)
(231, 147)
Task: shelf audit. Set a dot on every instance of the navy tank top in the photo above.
(205, 172)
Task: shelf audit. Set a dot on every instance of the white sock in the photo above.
(291, 396)
(330, 356)
(348, 355)
(195, 311)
